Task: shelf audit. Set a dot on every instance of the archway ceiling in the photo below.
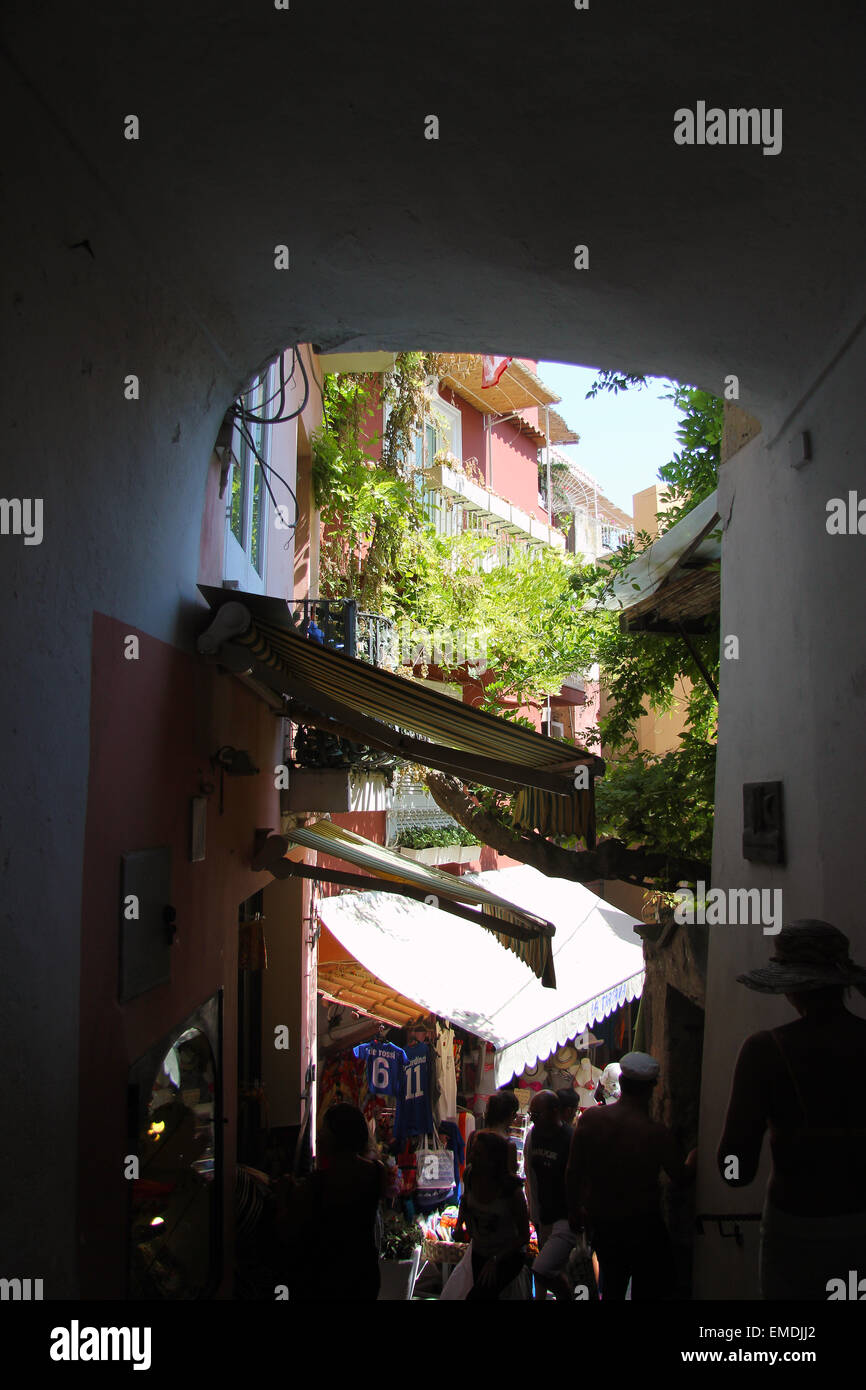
(305, 127)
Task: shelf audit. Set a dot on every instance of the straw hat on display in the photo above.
(565, 1056)
(808, 954)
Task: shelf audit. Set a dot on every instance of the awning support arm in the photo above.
(288, 868)
(698, 662)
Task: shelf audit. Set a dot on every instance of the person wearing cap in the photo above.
(612, 1181)
(813, 1227)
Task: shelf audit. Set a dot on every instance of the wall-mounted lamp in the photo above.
(235, 761)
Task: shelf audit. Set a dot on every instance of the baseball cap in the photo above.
(639, 1066)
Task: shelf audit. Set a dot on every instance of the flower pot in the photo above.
(398, 1277)
(443, 854)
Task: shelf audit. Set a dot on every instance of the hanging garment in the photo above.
(486, 1084)
(446, 1105)
(414, 1110)
(466, 1125)
(450, 1135)
(385, 1062)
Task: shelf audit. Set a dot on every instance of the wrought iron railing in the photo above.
(339, 625)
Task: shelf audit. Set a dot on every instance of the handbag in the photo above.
(580, 1271)
(460, 1282)
(435, 1167)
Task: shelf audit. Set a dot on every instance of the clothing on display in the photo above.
(414, 1105)
(446, 1105)
(385, 1063)
(486, 1084)
(586, 1080)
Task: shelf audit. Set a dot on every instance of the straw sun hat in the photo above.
(809, 954)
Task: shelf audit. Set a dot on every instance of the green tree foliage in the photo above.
(542, 616)
(361, 478)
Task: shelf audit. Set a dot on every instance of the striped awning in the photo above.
(253, 634)
(527, 935)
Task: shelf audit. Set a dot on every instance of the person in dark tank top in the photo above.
(813, 1227)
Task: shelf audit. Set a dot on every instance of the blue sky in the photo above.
(624, 439)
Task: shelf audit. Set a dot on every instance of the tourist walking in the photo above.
(493, 1216)
(813, 1229)
(545, 1159)
(617, 1155)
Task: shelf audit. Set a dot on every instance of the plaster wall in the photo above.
(793, 707)
(154, 723)
(282, 1001)
(156, 259)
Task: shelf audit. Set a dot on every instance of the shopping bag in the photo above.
(459, 1283)
(435, 1168)
(580, 1271)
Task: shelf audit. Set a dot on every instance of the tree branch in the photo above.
(611, 859)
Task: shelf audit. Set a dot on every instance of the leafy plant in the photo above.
(435, 836)
(401, 1238)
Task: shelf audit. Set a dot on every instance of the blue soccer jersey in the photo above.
(414, 1112)
(385, 1062)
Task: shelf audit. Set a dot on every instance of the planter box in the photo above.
(443, 854)
(398, 1278)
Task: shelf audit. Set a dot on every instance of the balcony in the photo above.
(476, 498)
(327, 767)
(342, 626)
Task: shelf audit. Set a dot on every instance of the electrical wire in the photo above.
(250, 416)
(267, 468)
(243, 418)
(240, 412)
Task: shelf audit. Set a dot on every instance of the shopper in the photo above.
(545, 1159)
(328, 1222)
(617, 1154)
(569, 1104)
(494, 1217)
(499, 1117)
(813, 1230)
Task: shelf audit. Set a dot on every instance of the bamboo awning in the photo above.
(253, 635)
(523, 932)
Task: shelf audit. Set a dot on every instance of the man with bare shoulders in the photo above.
(813, 1228)
(612, 1180)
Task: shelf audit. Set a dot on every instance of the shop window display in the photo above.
(174, 1220)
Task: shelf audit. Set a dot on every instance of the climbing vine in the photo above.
(362, 478)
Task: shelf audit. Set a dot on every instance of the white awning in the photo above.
(690, 542)
(460, 972)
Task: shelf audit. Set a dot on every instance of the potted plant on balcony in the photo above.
(399, 1258)
(439, 845)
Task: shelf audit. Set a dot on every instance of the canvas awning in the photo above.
(254, 636)
(522, 930)
(517, 389)
(454, 970)
(673, 586)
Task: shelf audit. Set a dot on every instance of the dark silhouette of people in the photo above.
(546, 1158)
(328, 1220)
(493, 1214)
(569, 1104)
(499, 1116)
(813, 1229)
(612, 1180)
